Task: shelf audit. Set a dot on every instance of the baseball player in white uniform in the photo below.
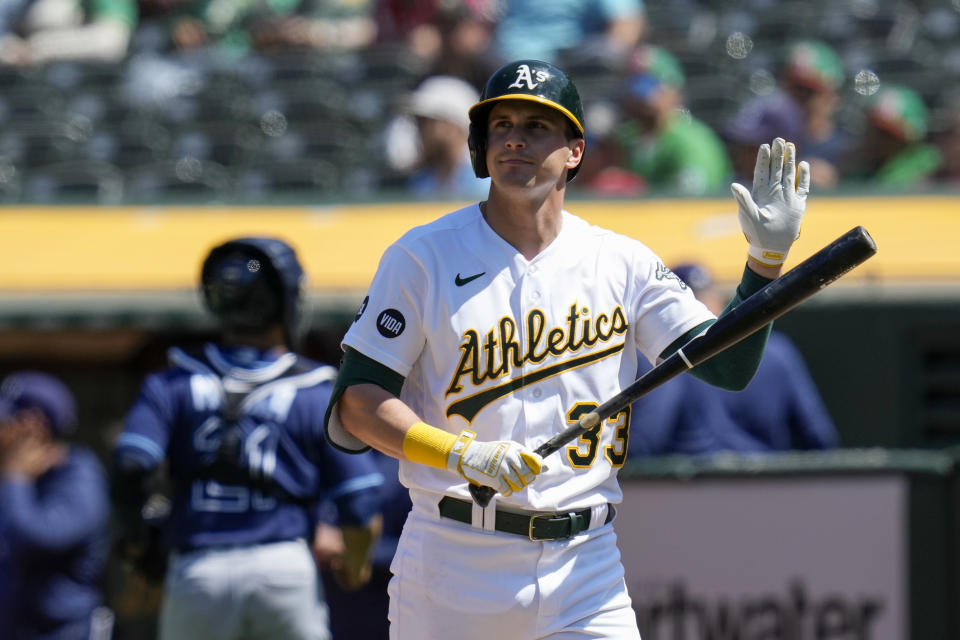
(486, 332)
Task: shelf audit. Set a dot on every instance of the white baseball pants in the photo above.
(454, 581)
(238, 593)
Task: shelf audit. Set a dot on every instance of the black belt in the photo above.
(537, 526)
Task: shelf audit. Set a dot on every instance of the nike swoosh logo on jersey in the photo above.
(462, 281)
(469, 407)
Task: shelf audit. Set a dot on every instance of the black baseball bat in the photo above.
(763, 307)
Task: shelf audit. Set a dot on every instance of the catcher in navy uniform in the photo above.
(239, 426)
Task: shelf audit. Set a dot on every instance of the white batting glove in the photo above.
(504, 465)
(770, 214)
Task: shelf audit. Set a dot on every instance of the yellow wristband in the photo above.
(428, 445)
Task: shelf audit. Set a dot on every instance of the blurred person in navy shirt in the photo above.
(54, 517)
(780, 410)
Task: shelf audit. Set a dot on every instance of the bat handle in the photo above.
(482, 495)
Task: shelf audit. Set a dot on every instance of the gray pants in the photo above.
(268, 592)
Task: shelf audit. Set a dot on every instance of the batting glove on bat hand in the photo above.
(770, 214)
(504, 465)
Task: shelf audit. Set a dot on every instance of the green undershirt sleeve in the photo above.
(733, 368)
(356, 368)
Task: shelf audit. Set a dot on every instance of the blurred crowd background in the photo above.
(127, 101)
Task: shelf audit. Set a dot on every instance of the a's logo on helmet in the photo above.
(391, 323)
(525, 77)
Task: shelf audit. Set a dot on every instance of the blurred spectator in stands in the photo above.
(326, 25)
(208, 26)
(893, 150)
(427, 142)
(411, 23)
(781, 409)
(657, 139)
(362, 613)
(585, 29)
(49, 30)
(446, 37)
(802, 110)
(54, 517)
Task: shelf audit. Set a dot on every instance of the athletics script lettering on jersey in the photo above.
(502, 351)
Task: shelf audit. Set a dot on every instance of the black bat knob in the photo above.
(482, 495)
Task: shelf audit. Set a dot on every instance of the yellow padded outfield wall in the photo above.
(44, 250)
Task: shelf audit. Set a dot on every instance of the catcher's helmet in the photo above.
(532, 80)
(253, 283)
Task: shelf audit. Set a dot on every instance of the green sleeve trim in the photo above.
(356, 368)
(733, 368)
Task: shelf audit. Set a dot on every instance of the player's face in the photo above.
(527, 144)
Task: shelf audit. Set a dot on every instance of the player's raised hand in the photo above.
(504, 465)
(770, 214)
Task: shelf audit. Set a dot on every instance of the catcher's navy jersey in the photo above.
(281, 464)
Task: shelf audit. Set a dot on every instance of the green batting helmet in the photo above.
(532, 80)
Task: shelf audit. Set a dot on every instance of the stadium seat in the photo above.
(225, 143)
(33, 100)
(94, 107)
(187, 179)
(10, 181)
(335, 143)
(128, 143)
(309, 102)
(385, 68)
(37, 141)
(294, 68)
(73, 182)
(684, 26)
(68, 76)
(268, 180)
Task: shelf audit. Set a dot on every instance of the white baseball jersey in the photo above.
(517, 349)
